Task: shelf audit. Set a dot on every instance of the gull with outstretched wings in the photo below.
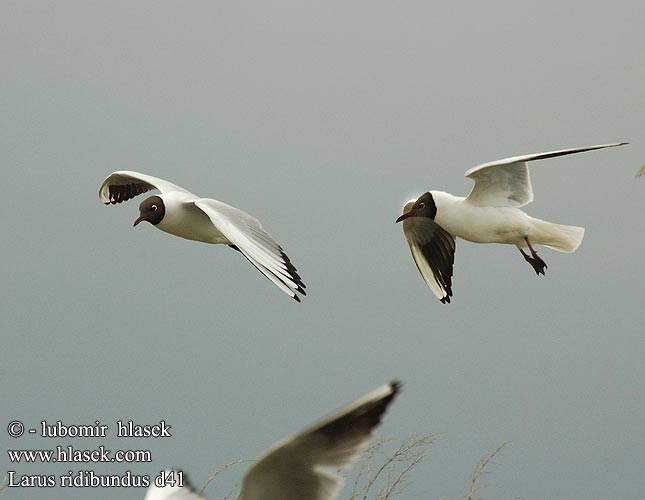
(489, 214)
(182, 213)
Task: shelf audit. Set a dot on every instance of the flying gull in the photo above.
(182, 213)
(489, 214)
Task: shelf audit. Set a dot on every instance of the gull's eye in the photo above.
(153, 207)
(421, 206)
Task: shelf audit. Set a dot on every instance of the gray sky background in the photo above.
(322, 119)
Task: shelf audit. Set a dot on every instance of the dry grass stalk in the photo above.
(382, 483)
(479, 471)
(220, 470)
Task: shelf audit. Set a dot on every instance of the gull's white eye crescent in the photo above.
(422, 206)
(153, 207)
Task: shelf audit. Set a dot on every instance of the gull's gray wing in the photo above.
(125, 184)
(305, 466)
(248, 236)
(506, 183)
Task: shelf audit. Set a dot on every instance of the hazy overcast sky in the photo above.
(322, 119)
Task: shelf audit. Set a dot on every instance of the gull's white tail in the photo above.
(557, 236)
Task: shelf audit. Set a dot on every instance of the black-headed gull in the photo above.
(182, 213)
(489, 214)
(305, 466)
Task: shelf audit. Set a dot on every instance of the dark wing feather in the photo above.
(124, 185)
(304, 467)
(433, 251)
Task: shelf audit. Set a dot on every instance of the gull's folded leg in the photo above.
(534, 259)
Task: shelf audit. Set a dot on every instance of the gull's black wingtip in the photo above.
(293, 274)
(396, 386)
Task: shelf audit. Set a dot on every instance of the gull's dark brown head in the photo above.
(151, 210)
(424, 206)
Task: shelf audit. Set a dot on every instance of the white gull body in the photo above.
(509, 225)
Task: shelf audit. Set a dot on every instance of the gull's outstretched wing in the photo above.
(433, 251)
(506, 183)
(185, 492)
(125, 185)
(305, 466)
(249, 237)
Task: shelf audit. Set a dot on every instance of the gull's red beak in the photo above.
(137, 221)
(405, 216)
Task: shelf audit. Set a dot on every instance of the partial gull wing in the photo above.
(124, 185)
(641, 172)
(305, 466)
(249, 237)
(506, 183)
(185, 492)
(433, 251)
